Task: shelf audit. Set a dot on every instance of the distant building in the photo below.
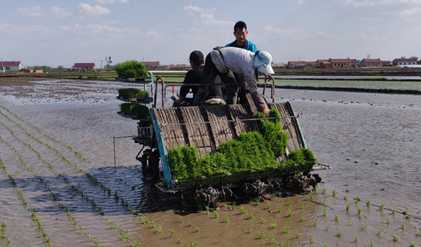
(151, 65)
(9, 66)
(301, 64)
(35, 71)
(402, 62)
(341, 63)
(83, 67)
(366, 62)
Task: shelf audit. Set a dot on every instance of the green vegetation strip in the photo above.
(132, 93)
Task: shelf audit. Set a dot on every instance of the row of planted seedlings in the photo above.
(85, 197)
(3, 235)
(77, 153)
(21, 195)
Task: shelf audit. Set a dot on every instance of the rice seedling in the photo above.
(387, 222)
(233, 206)
(418, 235)
(311, 240)
(324, 190)
(297, 234)
(272, 240)
(347, 207)
(189, 224)
(412, 244)
(251, 215)
(338, 233)
(197, 229)
(172, 233)
(359, 212)
(350, 222)
(289, 213)
(381, 207)
(286, 229)
(291, 202)
(263, 221)
(324, 212)
(262, 235)
(207, 210)
(355, 240)
(378, 232)
(257, 202)
(324, 201)
(345, 197)
(180, 219)
(310, 195)
(281, 199)
(368, 204)
(216, 214)
(193, 244)
(242, 210)
(403, 226)
(159, 229)
(250, 229)
(273, 225)
(336, 217)
(393, 211)
(363, 227)
(268, 206)
(272, 196)
(407, 216)
(324, 245)
(395, 239)
(181, 239)
(302, 219)
(227, 219)
(314, 223)
(334, 193)
(357, 199)
(279, 209)
(302, 206)
(327, 228)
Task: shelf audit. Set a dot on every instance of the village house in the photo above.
(301, 64)
(10, 66)
(404, 61)
(83, 67)
(151, 65)
(366, 62)
(341, 63)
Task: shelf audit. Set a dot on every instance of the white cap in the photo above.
(263, 61)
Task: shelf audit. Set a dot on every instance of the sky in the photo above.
(62, 32)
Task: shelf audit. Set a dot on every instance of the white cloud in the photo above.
(286, 33)
(96, 10)
(300, 2)
(59, 12)
(208, 19)
(411, 12)
(191, 8)
(35, 11)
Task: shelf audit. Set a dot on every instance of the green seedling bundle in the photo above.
(252, 151)
(132, 93)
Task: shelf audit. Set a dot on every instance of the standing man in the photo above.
(242, 62)
(240, 33)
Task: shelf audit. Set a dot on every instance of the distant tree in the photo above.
(60, 69)
(414, 57)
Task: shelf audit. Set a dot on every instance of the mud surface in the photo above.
(59, 185)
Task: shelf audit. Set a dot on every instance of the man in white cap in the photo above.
(244, 63)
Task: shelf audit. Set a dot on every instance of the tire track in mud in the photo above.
(85, 196)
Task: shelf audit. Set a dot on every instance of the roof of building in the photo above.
(151, 63)
(340, 60)
(402, 59)
(84, 65)
(377, 60)
(9, 63)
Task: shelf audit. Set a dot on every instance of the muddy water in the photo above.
(60, 185)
